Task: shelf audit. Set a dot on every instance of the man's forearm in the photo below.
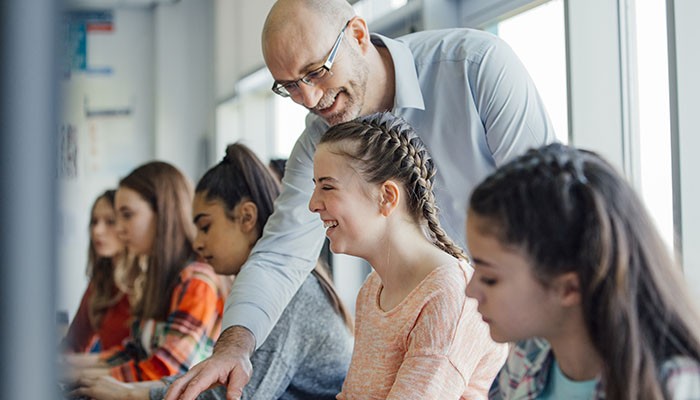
(235, 340)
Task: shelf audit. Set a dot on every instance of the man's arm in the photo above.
(279, 263)
(286, 253)
(509, 105)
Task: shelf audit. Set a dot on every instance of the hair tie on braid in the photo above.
(227, 159)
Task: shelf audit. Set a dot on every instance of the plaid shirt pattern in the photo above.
(163, 348)
(526, 373)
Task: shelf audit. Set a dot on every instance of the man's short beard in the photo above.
(355, 103)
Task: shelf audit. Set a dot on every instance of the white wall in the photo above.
(107, 147)
(237, 40)
(162, 63)
(184, 84)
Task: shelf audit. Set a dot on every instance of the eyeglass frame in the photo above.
(281, 88)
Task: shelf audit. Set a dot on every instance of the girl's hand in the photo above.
(73, 376)
(108, 388)
(82, 360)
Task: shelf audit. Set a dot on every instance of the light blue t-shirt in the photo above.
(474, 106)
(561, 387)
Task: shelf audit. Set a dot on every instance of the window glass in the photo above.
(654, 114)
(289, 123)
(538, 38)
(371, 10)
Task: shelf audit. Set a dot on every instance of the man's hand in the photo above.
(229, 366)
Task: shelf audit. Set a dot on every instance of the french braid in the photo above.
(384, 147)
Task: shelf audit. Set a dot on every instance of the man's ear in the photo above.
(359, 33)
(248, 214)
(389, 196)
(568, 289)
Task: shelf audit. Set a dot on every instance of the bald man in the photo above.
(465, 93)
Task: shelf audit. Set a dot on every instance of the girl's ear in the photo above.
(568, 289)
(248, 213)
(389, 196)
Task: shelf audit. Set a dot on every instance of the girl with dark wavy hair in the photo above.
(177, 302)
(570, 266)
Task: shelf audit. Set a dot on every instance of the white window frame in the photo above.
(684, 62)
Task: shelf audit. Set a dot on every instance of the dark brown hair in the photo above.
(382, 146)
(169, 194)
(570, 211)
(241, 176)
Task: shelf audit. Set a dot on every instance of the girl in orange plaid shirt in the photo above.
(177, 302)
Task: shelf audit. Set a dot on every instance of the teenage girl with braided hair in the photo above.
(569, 265)
(417, 335)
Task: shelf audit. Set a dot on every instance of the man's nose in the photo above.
(308, 96)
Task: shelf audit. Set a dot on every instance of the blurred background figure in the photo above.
(308, 352)
(102, 320)
(277, 166)
(176, 301)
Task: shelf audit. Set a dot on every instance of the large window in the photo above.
(654, 118)
(289, 123)
(372, 10)
(537, 36)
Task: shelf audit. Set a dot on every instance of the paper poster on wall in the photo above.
(77, 29)
(68, 152)
(110, 145)
(109, 121)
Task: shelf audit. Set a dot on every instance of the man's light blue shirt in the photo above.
(474, 106)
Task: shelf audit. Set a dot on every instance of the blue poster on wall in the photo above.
(77, 26)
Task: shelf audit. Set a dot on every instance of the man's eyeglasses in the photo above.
(286, 89)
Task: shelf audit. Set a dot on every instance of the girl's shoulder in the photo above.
(450, 277)
(680, 376)
(311, 302)
(443, 290)
(198, 271)
(525, 372)
(310, 294)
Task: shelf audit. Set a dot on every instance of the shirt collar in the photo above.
(408, 93)
(537, 358)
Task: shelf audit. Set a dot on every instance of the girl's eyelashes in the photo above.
(326, 187)
(487, 281)
(204, 227)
